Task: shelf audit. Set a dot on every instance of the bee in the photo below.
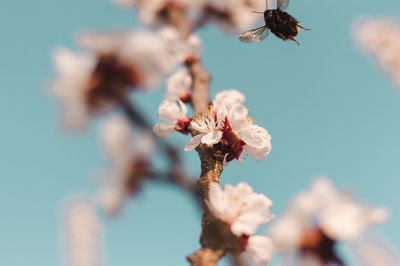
(280, 23)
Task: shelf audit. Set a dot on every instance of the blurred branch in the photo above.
(176, 174)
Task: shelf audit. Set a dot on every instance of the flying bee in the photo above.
(281, 24)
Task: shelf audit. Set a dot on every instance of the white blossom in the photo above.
(173, 113)
(259, 250)
(179, 84)
(181, 49)
(208, 128)
(229, 123)
(380, 37)
(225, 100)
(230, 15)
(257, 141)
(151, 11)
(73, 73)
(146, 54)
(88, 83)
(240, 207)
(228, 98)
(324, 207)
(374, 251)
(234, 15)
(123, 147)
(82, 234)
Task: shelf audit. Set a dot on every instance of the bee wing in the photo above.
(256, 35)
(283, 4)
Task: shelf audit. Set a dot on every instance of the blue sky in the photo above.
(329, 109)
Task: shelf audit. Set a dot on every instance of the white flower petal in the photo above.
(194, 142)
(286, 232)
(184, 109)
(117, 137)
(237, 116)
(164, 129)
(255, 136)
(259, 250)
(111, 199)
(257, 153)
(212, 137)
(218, 199)
(254, 212)
(240, 207)
(169, 110)
(73, 73)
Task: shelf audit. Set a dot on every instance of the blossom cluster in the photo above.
(243, 210)
(231, 15)
(380, 37)
(129, 153)
(226, 122)
(319, 217)
(113, 64)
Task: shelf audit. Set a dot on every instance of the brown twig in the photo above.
(216, 238)
(205, 257)
(200, 99)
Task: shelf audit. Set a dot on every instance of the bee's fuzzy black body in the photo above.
(281, 24)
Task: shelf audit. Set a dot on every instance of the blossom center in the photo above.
(230, 138)
(315, 241)
(110, 79)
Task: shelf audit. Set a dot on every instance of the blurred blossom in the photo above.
(73, 71)
(179, 84)
(129, 154)
(181, 50)
(319, 217)
(144, 54)
(230, 15)
(243, 210)
(114, 63)
(155, 12)
(259, 250)
(233, 15)
(82, 234)
(380, 38)
(371, 251)
(173, 113)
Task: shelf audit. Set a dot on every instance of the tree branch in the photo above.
(200, 99)
(205, 257)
